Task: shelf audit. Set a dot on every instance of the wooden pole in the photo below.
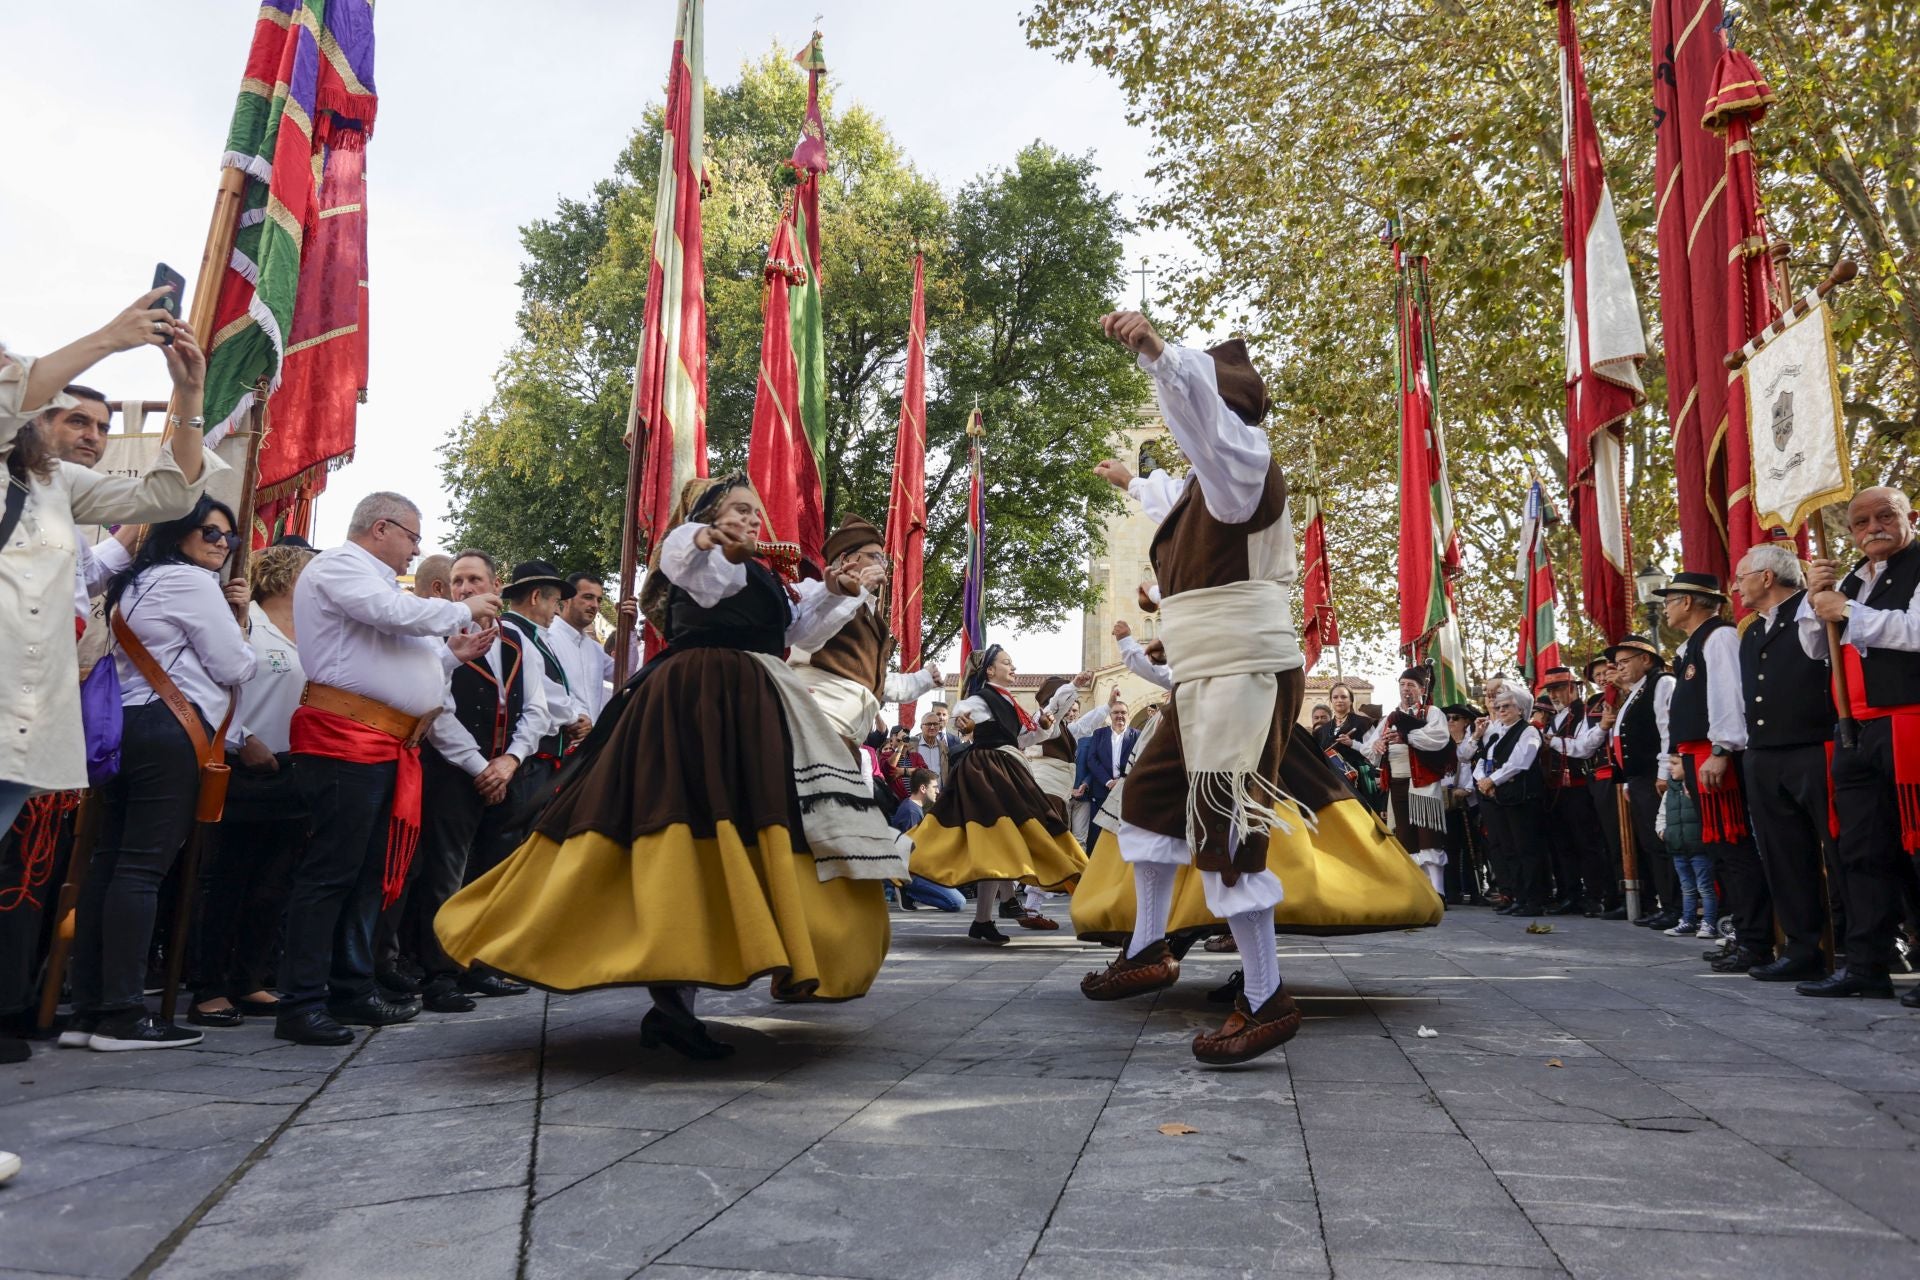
(630, 551)
(249, 484)
(218, 252)
(84, 825)
(1629, 862)
(1846, 730)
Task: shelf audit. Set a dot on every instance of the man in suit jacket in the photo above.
(1109, 756)
(934, 746)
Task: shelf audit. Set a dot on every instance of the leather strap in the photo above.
(16, 503)
(370, 712)
(208, 752)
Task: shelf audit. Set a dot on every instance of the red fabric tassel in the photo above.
(1833, 814)
(1723, 810)
(38, 830)
(1906, 749)
(334, 737)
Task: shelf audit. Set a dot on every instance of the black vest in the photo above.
(1567, 723)
(1789, 696)
(1442, 760)
(476, 698)
(753, 619)
(1002, 729)
(554, 744)
(1640, 732)
(1687, 718)
(1892, 675)
(1525, 787)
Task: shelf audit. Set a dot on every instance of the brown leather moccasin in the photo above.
(1034, 920)
(1154, 969)
(1248, 1033)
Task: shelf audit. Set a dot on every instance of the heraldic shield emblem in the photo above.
(1782, 420)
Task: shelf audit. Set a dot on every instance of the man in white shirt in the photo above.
(1637, 730)
(589, 667)
(375, 678)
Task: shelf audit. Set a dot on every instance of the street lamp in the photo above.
(1645, 583)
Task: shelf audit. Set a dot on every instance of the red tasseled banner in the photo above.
(1723, 811)
(1906, 777)
(38, 830)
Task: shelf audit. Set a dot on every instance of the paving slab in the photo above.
(1593, 1104)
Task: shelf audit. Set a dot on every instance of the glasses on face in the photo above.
(213, 535)
(414, 534)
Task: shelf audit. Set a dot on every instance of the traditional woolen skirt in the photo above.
(1347, 876)
(992, 822)
(676, 857)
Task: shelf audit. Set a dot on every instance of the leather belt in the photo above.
(370, 712)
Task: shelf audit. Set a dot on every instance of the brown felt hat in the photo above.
(852, 534)
(1240, 383)
(1049, 687)
(1638, 644)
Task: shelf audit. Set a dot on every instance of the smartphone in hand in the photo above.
(175, 284)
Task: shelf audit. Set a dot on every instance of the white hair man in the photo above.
(1790, 717)
(377, 660)
(1876, 786)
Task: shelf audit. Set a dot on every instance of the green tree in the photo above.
(1287, 136)
(1019, 265)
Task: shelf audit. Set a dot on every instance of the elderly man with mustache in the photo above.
(1876, 787)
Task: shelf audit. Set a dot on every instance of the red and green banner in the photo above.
(907, 500)
(1605, 345)
(1539, 598)
(780, 461)
(1429, 541)
(809, 336)
(973, 597)
(306, 102)
(668, 416)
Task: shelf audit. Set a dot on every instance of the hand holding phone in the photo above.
(175, 284)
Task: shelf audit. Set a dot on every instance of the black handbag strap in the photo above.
(16, 503)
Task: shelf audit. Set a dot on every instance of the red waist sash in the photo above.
(1723, 810)
(1906, 746)
(334, 737)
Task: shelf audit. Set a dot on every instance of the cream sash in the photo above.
(840, 818)
(849, 705)
(1109, 816)
(1226, 646)
(1054, 776)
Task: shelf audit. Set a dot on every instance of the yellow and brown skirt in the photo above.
(992, 822)
(1348, 876)
(677, 857)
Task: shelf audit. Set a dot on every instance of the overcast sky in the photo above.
(489, 112)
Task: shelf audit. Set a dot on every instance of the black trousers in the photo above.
(1579, 850)
(1515, 829)
(335, 900)
(1659, 882)
(28, 897)
(1736, 865)
(146, 816)
(244, 882)
(1787, 801)
(1606, 807)
(1875, 870)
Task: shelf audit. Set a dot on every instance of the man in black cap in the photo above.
(1876, 786)
(1465, 842)
(1637, 729)
(1790, 718)
(1579, 851)
(533, 597)
(1706, 739)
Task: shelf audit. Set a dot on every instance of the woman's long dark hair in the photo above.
(162, 544)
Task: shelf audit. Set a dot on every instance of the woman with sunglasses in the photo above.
(172, 603)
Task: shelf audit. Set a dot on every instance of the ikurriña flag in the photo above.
(907, 500)
(1605, 346)
(306, 100)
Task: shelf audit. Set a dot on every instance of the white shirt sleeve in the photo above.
(1662, 702)
(708, 576)
(910, 685)
(544, 707)
(1092, 722)
(104, 559)
(1813, 632)
(1523, 755)
(1231, 458)
(1136, 660)
(1156, 493)
(1432, 735)
(1869, 628)
(1374, 745)
(818, 614)
(1726, 703)
(451, 739)
(974, 709)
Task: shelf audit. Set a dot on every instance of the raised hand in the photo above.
(1115, 473)
(1134, 332)
(1121, 630)
(469, 646)
(141, 325)
(483, 608)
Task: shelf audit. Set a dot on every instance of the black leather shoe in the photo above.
(1787, 969)
(258, 1008)
(1663, 922)
(985, 932)
(442, 996)
(1849, 984)
(1564, 907)
(685, 1037)
(1511, 909)
(1720, 952)
(1614, 913)
(372, 1011)
(1012, 909)
(1646, 921)
(397, 982)
(1910, 998)
(491, 984)
(227, 1017)
(311, 1026)
(1740, 962)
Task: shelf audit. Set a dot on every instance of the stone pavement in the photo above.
(1594, 1104)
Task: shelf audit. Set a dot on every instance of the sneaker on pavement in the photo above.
(140, 1031)
(9, 1165)
(79, 1031)
(1685, 930)
(1706, 931)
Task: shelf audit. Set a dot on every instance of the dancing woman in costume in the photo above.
(993, 825)
(717, 829)
(1052, 762)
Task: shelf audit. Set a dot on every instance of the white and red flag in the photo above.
(1605, 345)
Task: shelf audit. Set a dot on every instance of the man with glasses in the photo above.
(1876, 786)
(377, 659)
